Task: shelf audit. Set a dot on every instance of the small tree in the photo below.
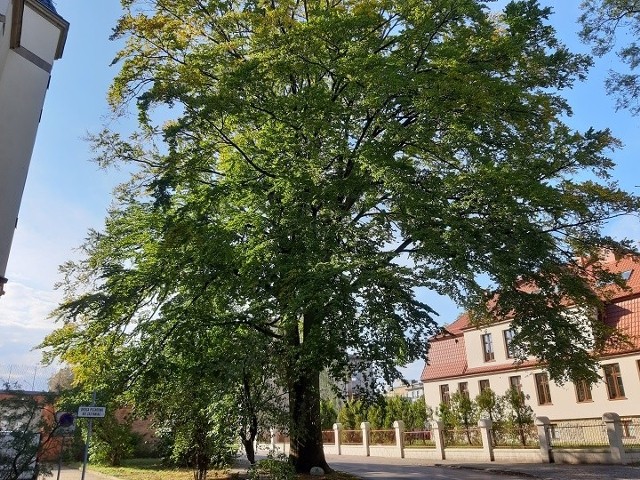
(377, 414)
(351, 414)
(419, 415)
(520, 416)
(29, 424)
(464, 413)
(397, 408)
(113, 439)
(491, 406)
(328, 414)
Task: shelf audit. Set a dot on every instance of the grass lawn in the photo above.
(151, 469)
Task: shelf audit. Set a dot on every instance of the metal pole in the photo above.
(86, 445)
(60, 458)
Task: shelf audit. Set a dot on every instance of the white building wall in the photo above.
(24, 77)
(564, 404)
(475, 349)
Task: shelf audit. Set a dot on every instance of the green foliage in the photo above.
(490, 405)
(509, 413)
(384, 412)
(604, 23)
(328, 414)
(519, 415)
(352, 414)
(275, 467)
(112, 440)
(27, 428)
(463, 410)
(324, 162)
(376, 415)
(419, 415)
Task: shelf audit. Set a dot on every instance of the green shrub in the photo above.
(274, 468)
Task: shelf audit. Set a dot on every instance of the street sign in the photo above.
(65, 424)
(91, 412)
(65, 419)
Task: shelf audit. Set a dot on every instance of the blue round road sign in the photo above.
(65, 419)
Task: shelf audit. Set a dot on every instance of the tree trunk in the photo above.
(249, 450)
(305, 428)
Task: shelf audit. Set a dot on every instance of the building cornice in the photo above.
(49, 15)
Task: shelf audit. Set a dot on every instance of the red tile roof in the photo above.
(625, 316)
(445, 358)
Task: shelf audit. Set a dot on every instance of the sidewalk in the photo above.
(536, 471)
(67, 473)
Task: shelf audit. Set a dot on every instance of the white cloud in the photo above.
(24, 322)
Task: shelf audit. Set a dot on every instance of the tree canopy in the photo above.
(603, 21)
(305, 169)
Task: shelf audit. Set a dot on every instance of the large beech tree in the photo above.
(307, 169)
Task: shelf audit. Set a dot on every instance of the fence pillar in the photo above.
(337, 428)
(437, 430)
(398, 426)
(272, 432)
(614, 432)
(542, 424)
(366, 428)
(485, 425)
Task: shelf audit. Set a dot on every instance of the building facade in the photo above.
(414, 391)
(469, 359)
(32, 37)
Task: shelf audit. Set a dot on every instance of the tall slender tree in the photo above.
(306, 168)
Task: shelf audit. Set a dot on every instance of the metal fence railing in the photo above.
(351, 437)
(328, 437)
(515, 436)
(631, 433)
(382, 437)
(419, 439)
(463, 437)
(579, 434)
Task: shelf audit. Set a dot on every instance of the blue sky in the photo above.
(66, 194)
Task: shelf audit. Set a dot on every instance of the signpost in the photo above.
(90, 412)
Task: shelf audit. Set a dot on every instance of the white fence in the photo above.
(607, 440)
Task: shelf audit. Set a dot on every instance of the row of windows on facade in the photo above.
(613, 380)
(487, 345)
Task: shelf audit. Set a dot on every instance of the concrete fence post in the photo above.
(485, 425)
(366, 429)
(614, 433)
(398, 426)
(337, 428)
(542, 424)
(437, 430)
(272, 433)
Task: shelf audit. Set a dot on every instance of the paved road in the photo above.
(401, 469)
(395, 469)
